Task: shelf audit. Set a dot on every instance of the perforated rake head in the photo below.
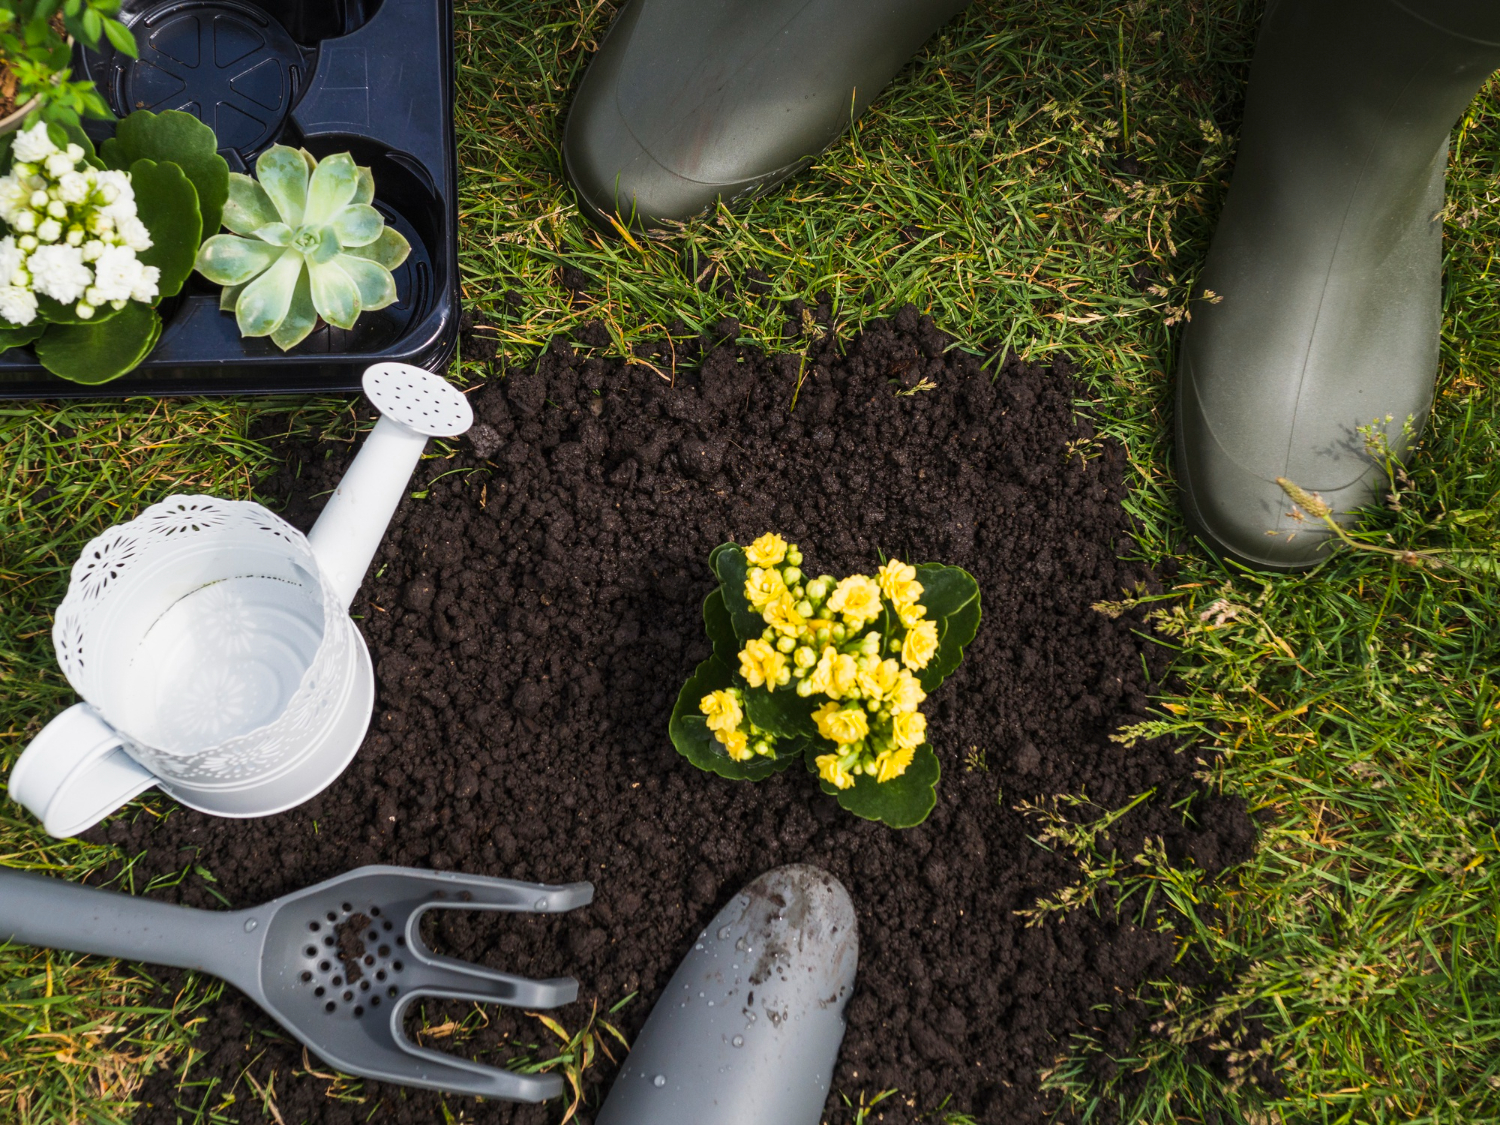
(337, 964)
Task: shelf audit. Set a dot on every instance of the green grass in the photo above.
(1356, 706)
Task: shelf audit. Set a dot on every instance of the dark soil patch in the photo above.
(533, 616)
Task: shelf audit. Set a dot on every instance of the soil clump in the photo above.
(536, 607)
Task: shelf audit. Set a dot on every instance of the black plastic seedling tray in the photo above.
(369, 77)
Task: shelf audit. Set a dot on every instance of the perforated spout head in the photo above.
(421, 401)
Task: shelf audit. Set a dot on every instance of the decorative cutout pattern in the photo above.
(148, 543)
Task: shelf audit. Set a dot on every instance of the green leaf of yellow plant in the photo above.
(951, 597)
(720, 628)
(730, 566)
(902, 802)
(782, 712)
(695, 742)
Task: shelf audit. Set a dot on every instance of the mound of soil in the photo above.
(532, 614)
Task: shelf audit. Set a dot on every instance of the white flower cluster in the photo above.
(75, 233)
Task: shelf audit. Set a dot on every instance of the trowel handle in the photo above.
(56, 914)
(349, 531)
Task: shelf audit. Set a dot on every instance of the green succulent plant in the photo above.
(306, 243)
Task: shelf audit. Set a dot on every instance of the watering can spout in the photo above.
(414, 405)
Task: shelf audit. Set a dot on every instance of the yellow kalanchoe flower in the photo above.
(736, 744)
(878, 678)
(839, 725)
(892, 764)
(911, 614)
(723, 710)
(832, 772)
(857, 598)
(782, 616)
(909, 729)
(920, 645)
(908, 695)
(836, 675)
(763, 586)
(898, 582)
(762, 665)
(769, 550)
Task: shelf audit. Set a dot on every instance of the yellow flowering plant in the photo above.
(829, 671)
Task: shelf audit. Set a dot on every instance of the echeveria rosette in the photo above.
(306, 243)
(833, 671)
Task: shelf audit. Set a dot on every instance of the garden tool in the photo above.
(690, 101)
(749, 1026)
(1318, 310)
(337, 965)
(212, 644)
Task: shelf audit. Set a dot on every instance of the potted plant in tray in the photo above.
(36, 50)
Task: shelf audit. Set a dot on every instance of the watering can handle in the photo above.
(414, 405)
(77, 772)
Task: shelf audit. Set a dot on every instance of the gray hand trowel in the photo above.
(749, 1027)
(336, 964)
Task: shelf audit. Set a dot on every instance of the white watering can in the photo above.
(212, 642)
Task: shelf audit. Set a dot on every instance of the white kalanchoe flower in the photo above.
(72, 187)
(133, 233)
(17, 306)
(69, 216)
(58, 272)
(119, 276)
(34, 144)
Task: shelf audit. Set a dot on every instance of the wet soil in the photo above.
(536, 606)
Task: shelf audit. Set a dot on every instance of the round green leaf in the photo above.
(249, 208)
(377, 288)
(951, 598)
(902, 802)
(179, 138)
(167, 203)
(97, 353)
(55, 312)
(18, 336)
(283, 173)
(227, 259)
(389, 250)
(695, 742)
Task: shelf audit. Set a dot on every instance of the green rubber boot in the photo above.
(1319, 307)
(690, 101)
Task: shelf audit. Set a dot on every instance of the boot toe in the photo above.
(1243, 514)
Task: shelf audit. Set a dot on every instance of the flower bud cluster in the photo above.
(855, 643)
(74, 233)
